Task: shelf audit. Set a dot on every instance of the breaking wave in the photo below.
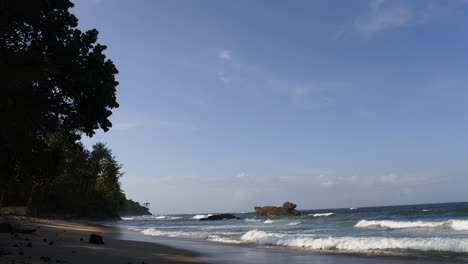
(251, 220)
(295, 223)
(357, 244)
(198, 217)
(179, 234)
(322, 214)
(268, 221)
(458, 225)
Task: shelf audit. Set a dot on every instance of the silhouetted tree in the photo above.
(53, 78)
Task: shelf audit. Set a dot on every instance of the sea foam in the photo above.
(179, 234)
(357, 244)
(322, 214)
(200, 216)
(458, 225)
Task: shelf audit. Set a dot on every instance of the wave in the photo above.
(322, 214)
(193, 235)
(175, 234)
(127, 218)
(353, 208)
(268, 221)
(198, 217)
(251, 220)
(164, 217)
(357, 244)
(458, 225)
(217, 238)
(295, 223)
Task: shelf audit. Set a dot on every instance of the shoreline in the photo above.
(128, 246)
(217, 252)
(66, 241)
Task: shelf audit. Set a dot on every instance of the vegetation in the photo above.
(56, 85)
(131, 207)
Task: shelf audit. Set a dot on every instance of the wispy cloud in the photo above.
(224, 77)
(224, 54)
(384, 15)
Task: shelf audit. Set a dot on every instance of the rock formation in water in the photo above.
(288, 209)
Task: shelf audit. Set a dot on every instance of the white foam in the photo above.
(295, 223)
(161, 217)
(357, 244)
(127, 218)
(425, 210)
(458, 225)
(156, 232)
(200, 216)
(322, 214)
(217, 238)
(353, 208)
(268, 221)
(251, 220)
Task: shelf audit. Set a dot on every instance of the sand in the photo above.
(57, 241)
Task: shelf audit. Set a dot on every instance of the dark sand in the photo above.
(64, 245)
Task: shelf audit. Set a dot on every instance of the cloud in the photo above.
(224, 54)
(382, 15)
(224, 77)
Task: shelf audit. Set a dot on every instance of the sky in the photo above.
(225, 105)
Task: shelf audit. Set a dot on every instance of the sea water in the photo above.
(430, 230)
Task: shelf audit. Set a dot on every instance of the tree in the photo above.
(53, 78)
(108, 175)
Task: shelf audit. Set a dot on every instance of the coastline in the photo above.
(66, 241)
(127, 246)
(215, 252)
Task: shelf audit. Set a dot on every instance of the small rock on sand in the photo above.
(96, 239)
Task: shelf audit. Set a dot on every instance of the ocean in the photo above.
(420, 232)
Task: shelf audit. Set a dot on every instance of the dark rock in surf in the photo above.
(288, 209)
(220, 217)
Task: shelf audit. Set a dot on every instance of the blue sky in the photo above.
(230, 104)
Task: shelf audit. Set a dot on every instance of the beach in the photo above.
(67, 241)
(59, 241)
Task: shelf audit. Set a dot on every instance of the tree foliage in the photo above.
(56, 84)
